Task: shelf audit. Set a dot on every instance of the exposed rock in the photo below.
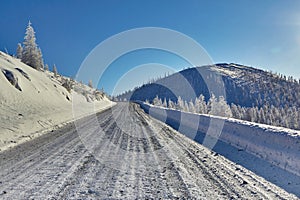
(11, 78)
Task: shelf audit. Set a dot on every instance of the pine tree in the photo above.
(180, 104)
(202, 105)
(90, 84)
(294, 118)
(261, 115)
(31, 55)
(223, 108)
(192, 108)
(212, 105)
(68, 84)
(197, 105)
(171, 104)
(186, 106)
(40, 59)
(55, 70)
(164, 104)
(19, 51)
(235, 112)
(157, 101)
(46, 67)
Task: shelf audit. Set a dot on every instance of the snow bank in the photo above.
(34, 102)
(279, 146)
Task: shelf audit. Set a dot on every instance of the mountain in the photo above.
(243, 85)
(33, 101)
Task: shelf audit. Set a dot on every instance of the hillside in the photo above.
(244, 86)
(32, 102)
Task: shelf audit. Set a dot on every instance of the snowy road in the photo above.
(134, 157)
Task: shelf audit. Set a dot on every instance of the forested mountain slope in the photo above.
(244, 86)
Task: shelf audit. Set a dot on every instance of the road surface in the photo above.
(124, 154)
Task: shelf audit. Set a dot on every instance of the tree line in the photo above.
(288, 117)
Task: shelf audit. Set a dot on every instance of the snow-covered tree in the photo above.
(55, 70)
(223, 108)
(294, 121)
(192, 108)
(235, 112)
(19, 51)
(40, 59)
(171, 104)
(261, 116)
(90, 84)
(186, 106)
(202, 105)
(68, 84)
(157, 101)
(46, 67)
(164, 104)
(31, 54)
(197, 105)
(267, 114)
(213, 105)
(180, 104)
(219, 107)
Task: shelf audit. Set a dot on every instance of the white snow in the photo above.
(231, 73)
(145, 160)
(41, 106)
(277, 145)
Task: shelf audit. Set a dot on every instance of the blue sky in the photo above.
(263, 34)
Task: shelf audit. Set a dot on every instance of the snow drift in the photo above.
(279, 146)
(33, 102)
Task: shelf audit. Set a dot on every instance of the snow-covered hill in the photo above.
(244, 86)
(33, 102)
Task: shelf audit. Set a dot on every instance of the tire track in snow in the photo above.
(129, 156)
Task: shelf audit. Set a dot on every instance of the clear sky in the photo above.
(263, 34)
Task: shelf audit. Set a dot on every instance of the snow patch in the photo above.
(226, 71)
